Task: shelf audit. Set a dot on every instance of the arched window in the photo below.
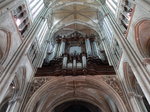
(4, 44)
(4, 106)
(133, 86)
(15, 91)
(125, 15)
(21, 18)
(142, 36)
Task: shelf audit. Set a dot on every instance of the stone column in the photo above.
(88, 47)
(140, 72)
(65, 62)
(134, 102)
(62, 47)
(9, 73)
(84, 63)
(111, 105)
(13, 105)
(142, 104)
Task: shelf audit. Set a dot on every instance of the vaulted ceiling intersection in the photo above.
(74, 15)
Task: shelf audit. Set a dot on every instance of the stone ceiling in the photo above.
(74, 15)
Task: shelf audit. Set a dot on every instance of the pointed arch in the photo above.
(5, 43)
(142, 37)
(53, 86)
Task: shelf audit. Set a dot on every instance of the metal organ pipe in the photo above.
(74, 63)
(55, 49)
(65, 62)
(84, 63)
(62, 47)
(88, 46)
(95, 49)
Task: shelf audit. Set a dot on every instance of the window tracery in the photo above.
(21, 18)
(125, 16)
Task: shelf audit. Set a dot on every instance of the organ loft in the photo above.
(74, 55)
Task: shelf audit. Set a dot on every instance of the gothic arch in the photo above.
(53, 86)
(142, 37)
(15, 90)
(130, 79)
(4, 104)
(72, 3)
(9, 95)
(53, 3)
(5, 41)
(76, 22)
(58, 27)
(21, 78)
(128, 76)
(133, 87)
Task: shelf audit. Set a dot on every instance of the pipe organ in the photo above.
(74, 54)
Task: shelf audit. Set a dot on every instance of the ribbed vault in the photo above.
(73, 14)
